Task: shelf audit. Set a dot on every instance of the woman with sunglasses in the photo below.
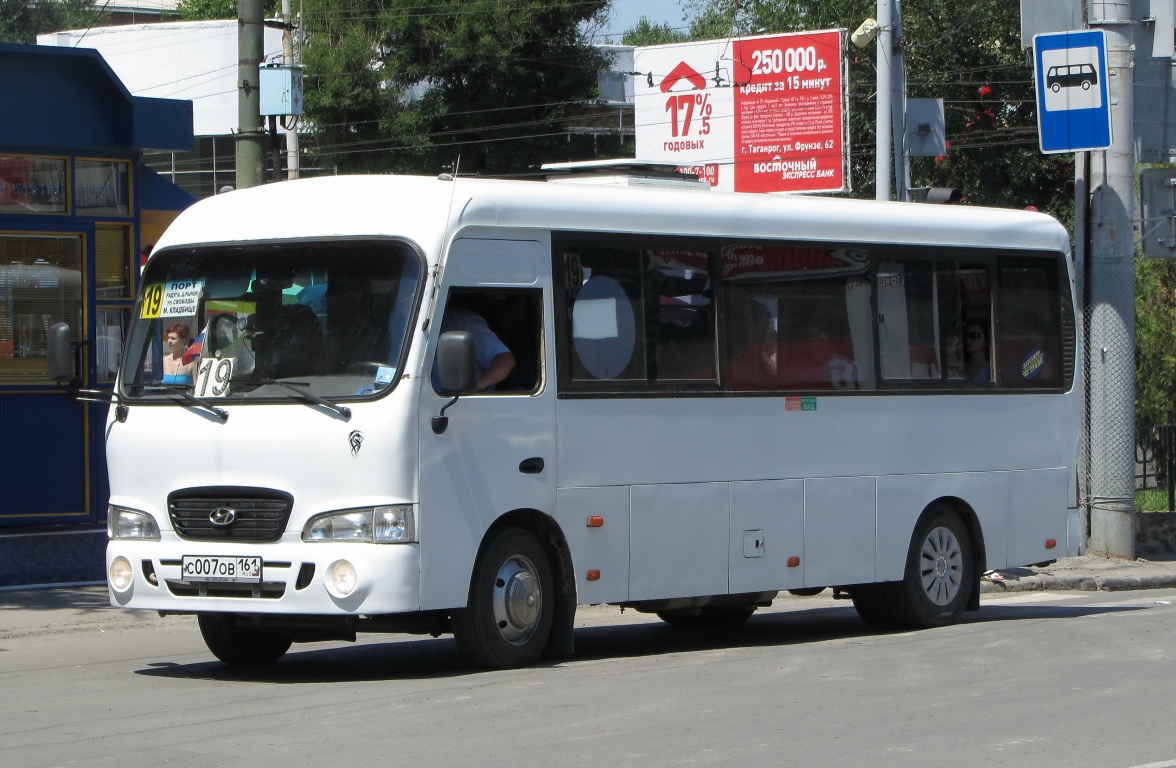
(976, 352)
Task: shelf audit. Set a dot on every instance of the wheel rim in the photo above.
(518, 600)
(941, 566)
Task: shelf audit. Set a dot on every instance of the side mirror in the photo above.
(457, 370)
(60, 354)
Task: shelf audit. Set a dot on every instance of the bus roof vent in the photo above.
(623, 173)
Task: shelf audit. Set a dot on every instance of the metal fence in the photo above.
(1155, 460)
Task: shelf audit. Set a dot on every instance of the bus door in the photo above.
(497, 453)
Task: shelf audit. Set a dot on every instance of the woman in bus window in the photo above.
(976, 366)
(175, 370)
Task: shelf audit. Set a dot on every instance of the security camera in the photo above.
(863, 35)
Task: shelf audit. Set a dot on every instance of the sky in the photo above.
(626, 13)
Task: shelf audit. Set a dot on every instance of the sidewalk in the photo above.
(1087, 573)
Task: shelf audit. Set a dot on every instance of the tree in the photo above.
(206, 10)
(971, 57)
(1155, 342)
(211, 10)
(395, 86)
(644, 32)
(22, 20)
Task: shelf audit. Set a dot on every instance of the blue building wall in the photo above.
(65, 108)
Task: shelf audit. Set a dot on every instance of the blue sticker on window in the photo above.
(1032, 364)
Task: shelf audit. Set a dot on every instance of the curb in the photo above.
(1079, 582)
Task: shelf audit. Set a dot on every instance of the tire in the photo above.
(241, 646)
(873, 604)
(806, 591)
(707, 618)
(940, 572)
(508, 618)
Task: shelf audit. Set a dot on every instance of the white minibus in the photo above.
(402, 404)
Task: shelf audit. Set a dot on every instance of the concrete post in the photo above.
(883, 109)
(288, 60)
(250, 133)
(898, 101)
(1111, 360)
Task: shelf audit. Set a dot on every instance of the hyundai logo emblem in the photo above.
(223, 517)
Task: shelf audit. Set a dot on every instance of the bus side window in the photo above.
(796, 320)
(515, 317)
(1030, 324)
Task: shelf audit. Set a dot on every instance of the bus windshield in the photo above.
(273, 321)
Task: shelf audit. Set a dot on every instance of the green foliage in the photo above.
(645, 32)
(22, 20)
(1155, 341)
(392, 85)
(1153, 500)
(206, 10)
(968, 54)
(213, 10)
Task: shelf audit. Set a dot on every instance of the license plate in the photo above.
(221, 568)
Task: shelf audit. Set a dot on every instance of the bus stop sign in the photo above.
(1073, 107)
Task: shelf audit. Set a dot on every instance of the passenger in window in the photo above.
(179, 364)
(976, 361)
(494, 361)
(755, 366)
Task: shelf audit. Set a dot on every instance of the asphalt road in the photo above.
(1040, 678)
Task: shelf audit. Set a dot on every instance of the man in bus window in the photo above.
(492, 358)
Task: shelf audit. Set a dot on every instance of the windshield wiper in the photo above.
(299, 388)
(190, 399)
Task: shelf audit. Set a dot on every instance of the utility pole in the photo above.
(288, 61)
(1111, 359)
(883, 114)
(898, 101)
(250, 134)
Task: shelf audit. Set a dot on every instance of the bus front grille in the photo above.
(229, 514)
(266, 590)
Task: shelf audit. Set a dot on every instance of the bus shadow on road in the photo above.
(428, 658)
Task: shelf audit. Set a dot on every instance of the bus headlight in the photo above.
(121, 574)
(123, 523)
(395, 524)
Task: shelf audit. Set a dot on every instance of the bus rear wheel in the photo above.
(940, 572)
(938, 582)
(507, 621)
(241, 646)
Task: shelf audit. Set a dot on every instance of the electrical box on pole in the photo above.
(1157, 193)
(281, 90)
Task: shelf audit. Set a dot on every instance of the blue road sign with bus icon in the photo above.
(1073, 107)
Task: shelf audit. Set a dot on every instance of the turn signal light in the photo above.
(593, 575)
(595, 521)
(1051, 543)
(794, 562)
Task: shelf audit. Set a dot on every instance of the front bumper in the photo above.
(294, 578)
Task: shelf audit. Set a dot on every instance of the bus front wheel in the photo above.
(508, 618)
(241, 646)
